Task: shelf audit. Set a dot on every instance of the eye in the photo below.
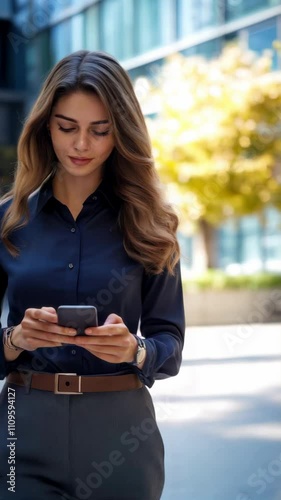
(100, 134)
(66, 129)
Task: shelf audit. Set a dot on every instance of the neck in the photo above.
(73, 191)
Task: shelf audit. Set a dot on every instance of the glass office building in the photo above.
(140, 33)
(12, 93)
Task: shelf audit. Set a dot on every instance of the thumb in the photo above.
(113, 319)
(49, 309)
(53, 312)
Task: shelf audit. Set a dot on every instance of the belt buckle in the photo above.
(57, 391)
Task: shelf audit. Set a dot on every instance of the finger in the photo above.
(113, 319)
(30, 324)
(113, 341)
(45, 344)
(99, 351)
(52, 337)
(50, 309)
(107, 330)
(41, 314)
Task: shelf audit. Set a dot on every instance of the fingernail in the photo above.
(88, 331)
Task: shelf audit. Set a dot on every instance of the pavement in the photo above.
(220, 418)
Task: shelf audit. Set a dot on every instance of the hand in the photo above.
(110, 342)
(39, 328)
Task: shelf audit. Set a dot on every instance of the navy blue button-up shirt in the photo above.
(83, 261)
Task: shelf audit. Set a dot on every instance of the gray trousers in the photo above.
(95, 446)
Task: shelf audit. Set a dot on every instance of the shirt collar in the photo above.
(39, 198)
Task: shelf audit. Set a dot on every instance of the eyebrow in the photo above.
(99, 122)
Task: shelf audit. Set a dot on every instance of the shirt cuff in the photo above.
(145, 374)
(6, 366)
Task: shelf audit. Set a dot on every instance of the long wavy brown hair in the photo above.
(147, 222)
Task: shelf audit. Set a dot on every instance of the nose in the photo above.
(81, 142)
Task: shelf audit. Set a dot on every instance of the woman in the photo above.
(85, 223)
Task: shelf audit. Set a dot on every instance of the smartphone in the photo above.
(78, 317)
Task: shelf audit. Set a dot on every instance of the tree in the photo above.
(217, 136)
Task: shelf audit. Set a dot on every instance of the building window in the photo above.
(186, 248)
(92, 38)
(77, 32)
(5, 27)
(148, 25)
(128, 27)
(168, 22)
(209, 49)
(261, 37)
(197, 14)
(11, 116)
(60, 40)
(117, 29)
(5, 124)
(67, 37)
(271, 240)
(111, 27)
(251, 244)
(228, 251)
(37, 60)
(238, 8)
(250, 234)
(19, 4)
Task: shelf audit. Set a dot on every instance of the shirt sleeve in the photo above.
(3, 286)
(162, 325)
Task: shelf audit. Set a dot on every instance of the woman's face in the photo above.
(81, 134)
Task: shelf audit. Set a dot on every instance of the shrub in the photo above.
(218, 280)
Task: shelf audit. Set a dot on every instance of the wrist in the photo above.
(139, 352)
(7, 339)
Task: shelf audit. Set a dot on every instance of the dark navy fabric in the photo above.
(83, 261)
(96, 446)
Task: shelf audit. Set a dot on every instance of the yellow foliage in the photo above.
(216, 137)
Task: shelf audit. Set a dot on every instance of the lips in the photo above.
(80, 161)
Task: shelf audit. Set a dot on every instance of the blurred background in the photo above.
(207, 74)
(208, 77)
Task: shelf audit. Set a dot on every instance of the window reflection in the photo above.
(238, 8)
(252, 243)
(92, 37)
(197, 14)
(262, 36)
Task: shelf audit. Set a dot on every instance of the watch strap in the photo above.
(7, 339)
(141, 346)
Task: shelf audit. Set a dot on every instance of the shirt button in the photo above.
(73, 352)
(73, 229)
(71, 266)
(94, 198)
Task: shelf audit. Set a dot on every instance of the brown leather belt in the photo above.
(71, 383)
